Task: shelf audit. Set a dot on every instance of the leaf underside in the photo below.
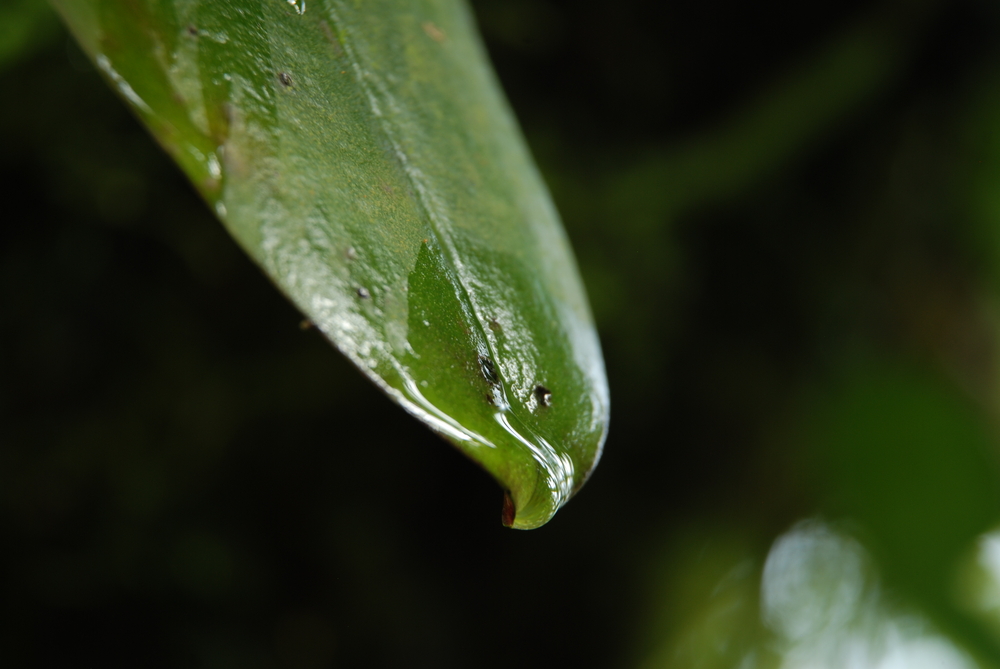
(362, 153)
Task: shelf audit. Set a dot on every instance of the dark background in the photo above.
(777, 208)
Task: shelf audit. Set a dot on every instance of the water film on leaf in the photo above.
(363, 154)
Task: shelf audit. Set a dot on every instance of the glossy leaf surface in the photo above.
(363, 155)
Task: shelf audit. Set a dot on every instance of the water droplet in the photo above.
(214, 169)
(123, 86)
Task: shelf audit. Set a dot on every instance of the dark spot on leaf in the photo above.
(509, 512)
(495, 326)
(192, 31)
(285, 79)
(543, 395)
(488, 369)
(490, 400)
(363, 293)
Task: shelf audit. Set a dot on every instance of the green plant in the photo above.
(365, 158)
(788, 232)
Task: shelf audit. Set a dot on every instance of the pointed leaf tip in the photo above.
(364, 156)
(509, 511)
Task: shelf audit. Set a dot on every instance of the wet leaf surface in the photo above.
(363, 155)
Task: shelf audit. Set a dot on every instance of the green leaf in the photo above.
(25, 25)
(363, 155)
(913, 463)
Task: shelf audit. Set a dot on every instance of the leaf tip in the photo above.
(509, 510)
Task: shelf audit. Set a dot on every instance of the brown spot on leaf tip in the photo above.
(434, 32)
(509, 512)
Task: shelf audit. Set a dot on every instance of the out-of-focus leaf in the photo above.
(790, 116)
(705, 599)
(914, 464)
(817, 600)
(24, 25)
(363, 155)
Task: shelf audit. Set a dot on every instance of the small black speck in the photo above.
(285, 78)
(488, 369)
(192, 31)
(543, 395)
(363, 293)
(490, 400)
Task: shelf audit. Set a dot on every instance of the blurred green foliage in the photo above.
(25, 27)
(787, 220)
